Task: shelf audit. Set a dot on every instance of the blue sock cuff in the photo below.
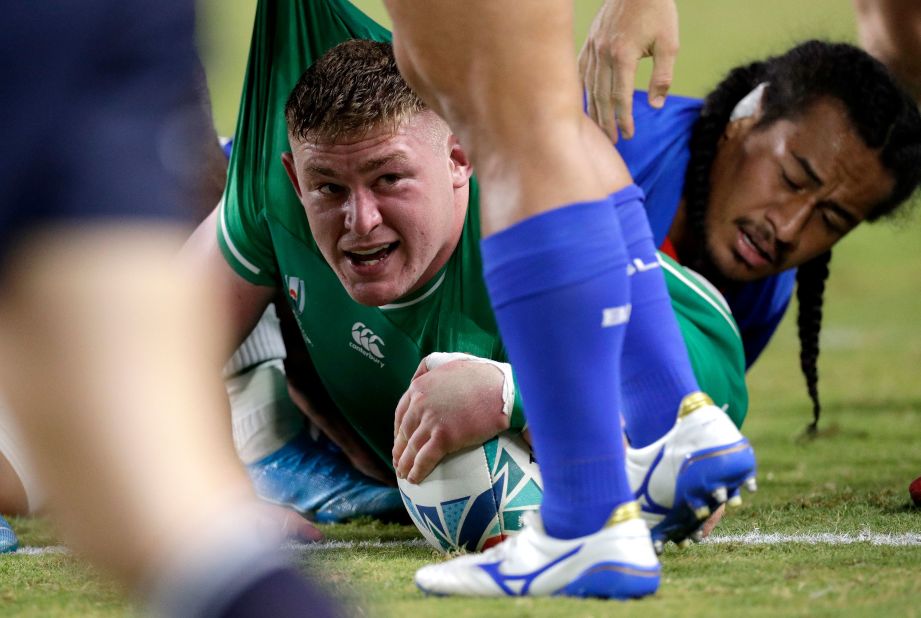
(560, 247)
(633, 219)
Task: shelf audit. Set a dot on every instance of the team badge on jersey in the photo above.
(296, 292)
(367, 343)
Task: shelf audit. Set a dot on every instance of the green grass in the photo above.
(853, 478)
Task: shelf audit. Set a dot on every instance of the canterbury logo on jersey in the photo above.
(367, 343)
(296, 292)
(639, 266)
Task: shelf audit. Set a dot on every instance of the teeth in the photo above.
(370, 251)
(751, 243)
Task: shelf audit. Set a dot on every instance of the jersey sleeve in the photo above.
(244, 238)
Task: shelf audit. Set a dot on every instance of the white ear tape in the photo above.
(750, 103)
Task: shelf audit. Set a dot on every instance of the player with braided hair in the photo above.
(811, 75)
(810, 287)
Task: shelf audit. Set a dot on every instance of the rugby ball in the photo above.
(475, 498)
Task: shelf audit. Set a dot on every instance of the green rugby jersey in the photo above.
(366, 356)
(711, 335)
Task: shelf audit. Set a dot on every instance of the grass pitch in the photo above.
(849, 484)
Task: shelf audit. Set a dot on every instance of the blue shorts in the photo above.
(99, 111)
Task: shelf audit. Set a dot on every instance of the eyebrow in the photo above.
(373, 164)
(367, 166)
(807, 167)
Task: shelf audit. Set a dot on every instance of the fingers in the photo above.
(663, 70)
(587, 72)
(302, 530)
(713, 520)
(601, 99)
(598, 78)
(289, 523)
(622, 91)
(400, 412)
(406, 421)
(415, 443)
(431, 453)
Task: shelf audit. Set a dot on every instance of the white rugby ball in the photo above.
(475, 498)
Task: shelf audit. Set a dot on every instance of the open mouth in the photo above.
(753, 249)
(371, 255)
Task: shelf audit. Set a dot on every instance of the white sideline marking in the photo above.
(905, 539)
(38, 551)
(293, 547)
(327, 545)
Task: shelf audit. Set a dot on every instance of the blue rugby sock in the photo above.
(558, 285)
(656, 372)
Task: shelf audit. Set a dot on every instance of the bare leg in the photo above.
(105, 357)
(504, 77)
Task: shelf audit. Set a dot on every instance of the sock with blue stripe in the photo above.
(656, 372)
(558, 285)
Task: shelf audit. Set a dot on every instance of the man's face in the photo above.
(386, 208)
(785, 193)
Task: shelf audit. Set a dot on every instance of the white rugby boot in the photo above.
(618, 562)
(682, 477)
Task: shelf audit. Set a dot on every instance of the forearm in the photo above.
(235, 303)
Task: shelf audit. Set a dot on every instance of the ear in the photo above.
(287, 159)
(741, 127)
(746, 114)
(461, 169)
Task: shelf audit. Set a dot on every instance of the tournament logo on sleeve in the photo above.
(296, 292)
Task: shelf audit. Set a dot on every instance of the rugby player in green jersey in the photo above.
(274, 65)
(370, 311)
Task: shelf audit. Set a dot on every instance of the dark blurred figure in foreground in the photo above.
(105, 355)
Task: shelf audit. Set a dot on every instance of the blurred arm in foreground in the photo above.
(107, 358)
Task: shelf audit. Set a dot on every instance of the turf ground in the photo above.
(830, 531)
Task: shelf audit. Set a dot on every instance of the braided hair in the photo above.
(884, 116)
